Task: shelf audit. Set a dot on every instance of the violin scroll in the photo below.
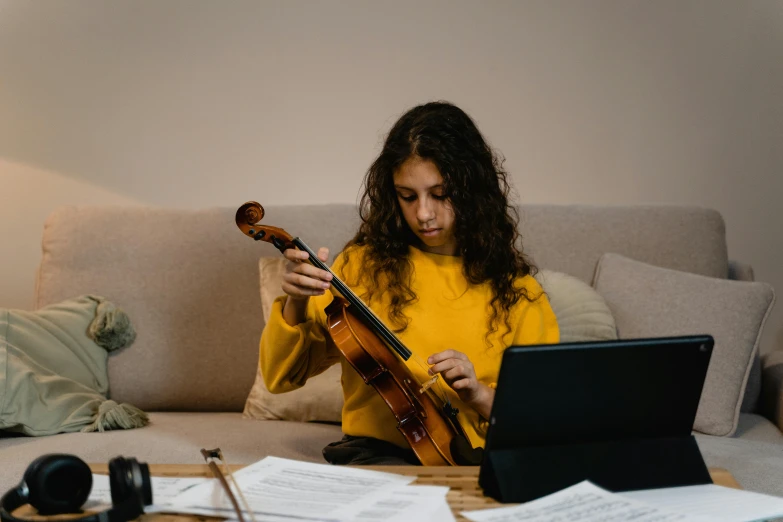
(248, 217)
(251, 213)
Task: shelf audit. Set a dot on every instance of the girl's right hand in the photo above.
(301, 279)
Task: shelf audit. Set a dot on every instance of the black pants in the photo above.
(368, 451)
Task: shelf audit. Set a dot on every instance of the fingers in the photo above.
(462, 384)
(323, 254)
(298, 266)
(308, 270)
(303, 279)
(459, 375)
(293, 254)
(446, 354)
(456, 372)
(453, 368)
(300, 285)
(299, 291)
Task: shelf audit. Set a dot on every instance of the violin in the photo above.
(426, 420)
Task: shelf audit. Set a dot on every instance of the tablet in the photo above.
(618, 413)
(594, 391)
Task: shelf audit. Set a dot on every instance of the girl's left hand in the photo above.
(459, 374)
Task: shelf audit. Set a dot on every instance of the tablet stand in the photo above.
(526, 473)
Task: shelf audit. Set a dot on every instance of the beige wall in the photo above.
(196, 103)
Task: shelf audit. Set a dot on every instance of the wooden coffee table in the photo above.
(464, 493)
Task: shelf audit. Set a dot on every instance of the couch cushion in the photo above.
(188, 278)
(757, 427)
(176, 438)
(649, 301)
(757, 466)
(572, 238)
(9, 439)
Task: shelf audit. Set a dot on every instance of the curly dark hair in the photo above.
(475, 184)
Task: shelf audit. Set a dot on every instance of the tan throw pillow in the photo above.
(582, 314)
(648, 301)
(320, 399)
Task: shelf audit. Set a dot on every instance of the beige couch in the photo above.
(189, 281)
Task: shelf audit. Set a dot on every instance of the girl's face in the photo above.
(424, 205)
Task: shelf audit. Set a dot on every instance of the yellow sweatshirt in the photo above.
(450, 313)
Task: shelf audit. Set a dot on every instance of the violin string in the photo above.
(349, 294)
(439, 389)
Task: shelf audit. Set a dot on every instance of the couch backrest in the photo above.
(189, 279)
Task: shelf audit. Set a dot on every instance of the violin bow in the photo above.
(216, 454)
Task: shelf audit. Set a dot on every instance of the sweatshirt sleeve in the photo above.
(538, 324)
(289, 355)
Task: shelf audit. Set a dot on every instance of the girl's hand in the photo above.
(301, 279)
(458, 372)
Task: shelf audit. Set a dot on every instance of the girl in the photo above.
(436, 259)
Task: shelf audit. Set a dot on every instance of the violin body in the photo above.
(428, 423)
(418, 416)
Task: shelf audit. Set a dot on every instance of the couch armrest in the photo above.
(772, 387)
(739, 271)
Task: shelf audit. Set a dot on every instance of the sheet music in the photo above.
(163, 490)
(404, 504)
(407, 504)
(583, 502)
(444, 514)
(289, 488)
(716, 502)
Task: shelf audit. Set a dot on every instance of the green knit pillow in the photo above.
(53, 368)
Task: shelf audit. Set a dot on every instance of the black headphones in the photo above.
(58, 483)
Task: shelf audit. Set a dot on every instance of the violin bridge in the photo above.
(428, 384)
